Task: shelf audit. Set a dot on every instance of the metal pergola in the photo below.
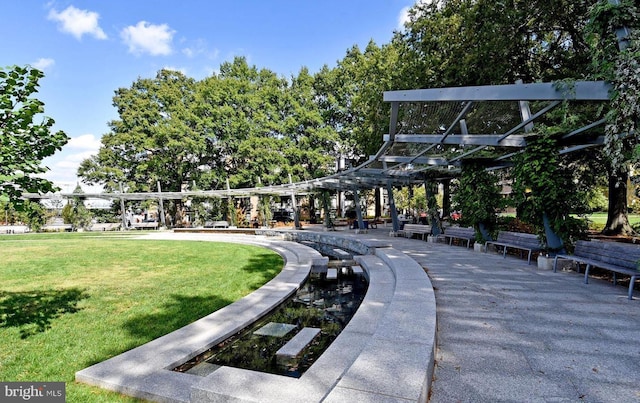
(433, 131)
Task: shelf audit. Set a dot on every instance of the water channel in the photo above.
(319, 310)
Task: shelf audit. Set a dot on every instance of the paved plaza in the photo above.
(510, 332)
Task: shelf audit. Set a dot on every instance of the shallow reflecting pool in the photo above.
(288, 340)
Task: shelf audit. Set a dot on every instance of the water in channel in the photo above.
(322, 307)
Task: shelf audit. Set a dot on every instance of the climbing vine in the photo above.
(617, 60)
(624, 116)
(325, 202)
(264, 210)
(543, 186)
(477, 195)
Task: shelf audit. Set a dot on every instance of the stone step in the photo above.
(297, 343)
(341, 252)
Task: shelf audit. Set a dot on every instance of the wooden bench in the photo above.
(216, 224)
(145, 225)
(516, 240)
(409, 230)
(105, 227)
(57, 228)
(467, 234)
(613, 256)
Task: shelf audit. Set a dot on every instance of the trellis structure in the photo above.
(433, 131)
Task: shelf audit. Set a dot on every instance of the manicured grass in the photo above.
(68, 301)
(598, 220)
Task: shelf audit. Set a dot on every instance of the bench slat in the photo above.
(613, 256)
(517, 240)
(409, 230)
(463, 233)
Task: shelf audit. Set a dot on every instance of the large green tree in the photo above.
(155, 139)
(617, 60)
(243, 126)
(24, 142)
(481, 42)
(351, 98)
(262, 127)
(311, 138)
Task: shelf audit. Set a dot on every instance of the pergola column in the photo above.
(446, 197)
(296, 218)
(161, 206)
(433, 221)
(392, 208)
(356, 200)
(122, 208)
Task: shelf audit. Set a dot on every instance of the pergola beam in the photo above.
(471, 139)
(413, 160)
(578, 90)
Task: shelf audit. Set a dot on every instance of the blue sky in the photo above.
(88, 49)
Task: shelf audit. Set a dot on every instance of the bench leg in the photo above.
(555, 264)
(631, 284)
(586, 274)
(529, 258)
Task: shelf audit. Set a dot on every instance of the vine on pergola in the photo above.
(616, 58)
(623, 118)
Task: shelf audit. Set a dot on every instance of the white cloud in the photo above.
(182, 70)
(403, 17)
(43, 63)
(148, 38)
(78, 22)
(63, 168)
(200, 48)
(85, 142)
(64, 165)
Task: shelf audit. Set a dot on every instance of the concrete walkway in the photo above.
(510, 332)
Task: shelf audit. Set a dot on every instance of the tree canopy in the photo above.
(244, 125)
(248, 126)
(24, 142)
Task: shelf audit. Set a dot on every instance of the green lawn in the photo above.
(598, 220)
(68, 301)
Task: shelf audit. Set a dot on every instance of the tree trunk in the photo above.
(446, 198)
(617, 219)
